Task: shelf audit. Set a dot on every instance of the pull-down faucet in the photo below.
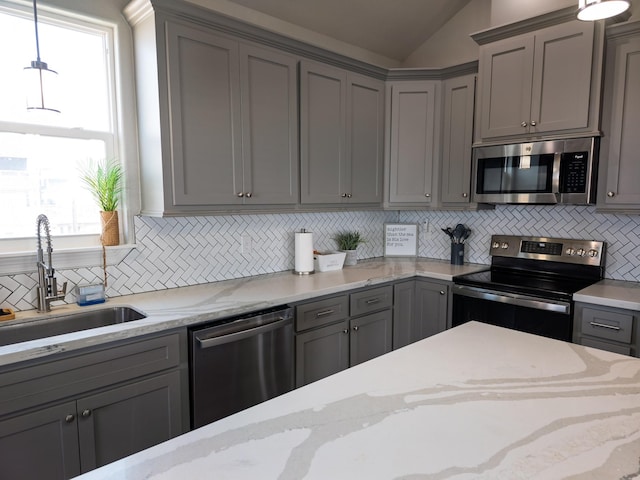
(47, 283)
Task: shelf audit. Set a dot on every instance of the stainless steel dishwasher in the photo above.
(239, 362)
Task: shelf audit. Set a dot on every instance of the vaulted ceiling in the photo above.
(392, 28)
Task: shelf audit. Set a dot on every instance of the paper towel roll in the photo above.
(304, 252)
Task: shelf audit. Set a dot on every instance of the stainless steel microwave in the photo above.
(547, 172)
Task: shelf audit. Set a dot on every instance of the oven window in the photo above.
(521, 174)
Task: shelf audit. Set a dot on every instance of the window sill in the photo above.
(63, 259)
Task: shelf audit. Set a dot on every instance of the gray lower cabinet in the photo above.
(218, 120)
(413, 132)
(523, 81)
(607, 328)
(619, 179)
(337, 332)
(341, 136)
(72, 414)
(420, 309)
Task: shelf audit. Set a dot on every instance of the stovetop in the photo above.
(540, 266)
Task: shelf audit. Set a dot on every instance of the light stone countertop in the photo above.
(184, 306)
(611, 293)
(474, 402)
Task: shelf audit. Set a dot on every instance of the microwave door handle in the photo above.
(555, 176)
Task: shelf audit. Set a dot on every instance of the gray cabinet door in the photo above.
(365, 138)
(431, 309)
(506, 75)
(42, 444)
(127, 419)
(269, 126)
(620, 167)
(204, 98)
(413, 118)
(323, 156)
(539, 82)
(459, 95)
(403, 313)
(371, 336)
(560, 99)
(322, 352)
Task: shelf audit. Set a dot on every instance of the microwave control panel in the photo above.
(573, 172)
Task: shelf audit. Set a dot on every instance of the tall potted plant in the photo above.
(104, 181)
(348, 242)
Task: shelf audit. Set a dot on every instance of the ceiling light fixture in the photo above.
(39, 78)
(590, 10)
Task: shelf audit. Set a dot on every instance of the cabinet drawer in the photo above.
(321, 312)
(371, 300)
(609, 347)
(27, 386)
(606, 324)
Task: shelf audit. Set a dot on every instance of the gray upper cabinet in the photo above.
(619, 180)
(341, 136)
(542, 82)
(218, 120)
(413, 130)
(457, 137)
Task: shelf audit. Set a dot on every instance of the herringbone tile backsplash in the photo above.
(173, 252)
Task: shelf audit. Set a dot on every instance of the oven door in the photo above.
(549, 318)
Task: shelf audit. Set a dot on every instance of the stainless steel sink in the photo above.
(50, 326)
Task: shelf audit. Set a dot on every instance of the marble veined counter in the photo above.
(473, 402)
(179, 307)
(611, 293)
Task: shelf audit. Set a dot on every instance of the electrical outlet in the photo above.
(427, 230)
(245, 244)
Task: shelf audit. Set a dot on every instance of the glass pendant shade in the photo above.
(599, 9)
(41, 85)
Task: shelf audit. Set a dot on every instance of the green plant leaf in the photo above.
(104, 181)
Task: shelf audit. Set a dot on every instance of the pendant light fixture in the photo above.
(40, 80)
(599, 9)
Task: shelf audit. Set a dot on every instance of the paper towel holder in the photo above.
(310, 269)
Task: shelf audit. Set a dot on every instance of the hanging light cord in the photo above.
(35, 22)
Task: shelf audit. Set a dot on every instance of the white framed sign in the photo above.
(400, 239)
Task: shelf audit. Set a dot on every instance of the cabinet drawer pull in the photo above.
(324, 313)
(355, 329)
(604, 325)
(611, 194)
(69, 418)
(371, 301)
(346, 330)
(523, 124)
(441, 292)
(86, 413)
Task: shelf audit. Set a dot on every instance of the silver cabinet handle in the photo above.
(428, 195)
(86, 413)
(240, 194)
(611, 194)
(533, 123)
(69, 418)
(524, 124)
(324, 313)
(371, 301)
(355, 329)
(346, 330)
(465, 195)
(248, 195)
(344, 195)
(441, 292)
(349, 195)
(604, 325)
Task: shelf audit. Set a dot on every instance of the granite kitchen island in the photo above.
(476, 401)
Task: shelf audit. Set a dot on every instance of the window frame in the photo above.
(17, 255)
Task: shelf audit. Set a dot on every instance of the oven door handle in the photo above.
(513, 299)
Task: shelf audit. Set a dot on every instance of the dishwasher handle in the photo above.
(244, 329)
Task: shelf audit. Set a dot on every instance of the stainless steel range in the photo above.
(530, 285)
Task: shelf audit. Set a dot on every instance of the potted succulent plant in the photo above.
(348, 242)
(104, 181)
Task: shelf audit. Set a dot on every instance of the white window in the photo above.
(41, 153)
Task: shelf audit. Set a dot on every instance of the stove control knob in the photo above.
(504, 245)
(580, 252)
(593, 253)
(495, 245)
(570, 251)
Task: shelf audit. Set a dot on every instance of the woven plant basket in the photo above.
(110, 229)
